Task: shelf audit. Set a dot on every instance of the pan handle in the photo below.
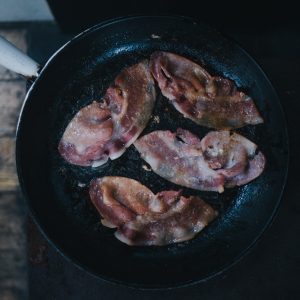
(15, 60)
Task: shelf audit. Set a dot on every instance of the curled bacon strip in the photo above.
(221, 159)
(211, 101)
(104, 130)
(143, 218)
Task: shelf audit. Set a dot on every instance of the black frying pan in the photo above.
(80, 72)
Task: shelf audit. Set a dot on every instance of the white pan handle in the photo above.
(15, 60)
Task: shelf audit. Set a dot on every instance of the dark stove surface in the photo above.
(271, 270)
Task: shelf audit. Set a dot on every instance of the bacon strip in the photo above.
(104, 130)
(220, 160)
(211, 101)
(143, 218)
(233, 156)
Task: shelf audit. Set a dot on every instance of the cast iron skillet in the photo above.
(57, 193)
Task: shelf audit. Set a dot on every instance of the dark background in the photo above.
(271, 34)
(74, 16)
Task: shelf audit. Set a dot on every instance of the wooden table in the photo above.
(13, 273)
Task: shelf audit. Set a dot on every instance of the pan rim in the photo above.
(140, 286)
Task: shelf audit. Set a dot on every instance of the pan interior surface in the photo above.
(57, 192)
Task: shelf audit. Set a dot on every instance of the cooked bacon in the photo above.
(143, 218)
(220, 160)
(252, 171)
(211, 101)
(178, 157)
(104, 130)
(233, 156)
(119, 199)
(86, 135)
(184, 219)
(131, 101)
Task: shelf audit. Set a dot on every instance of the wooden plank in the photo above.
(8, 176)
(13, 265)
(13, 262)
(12, 94)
